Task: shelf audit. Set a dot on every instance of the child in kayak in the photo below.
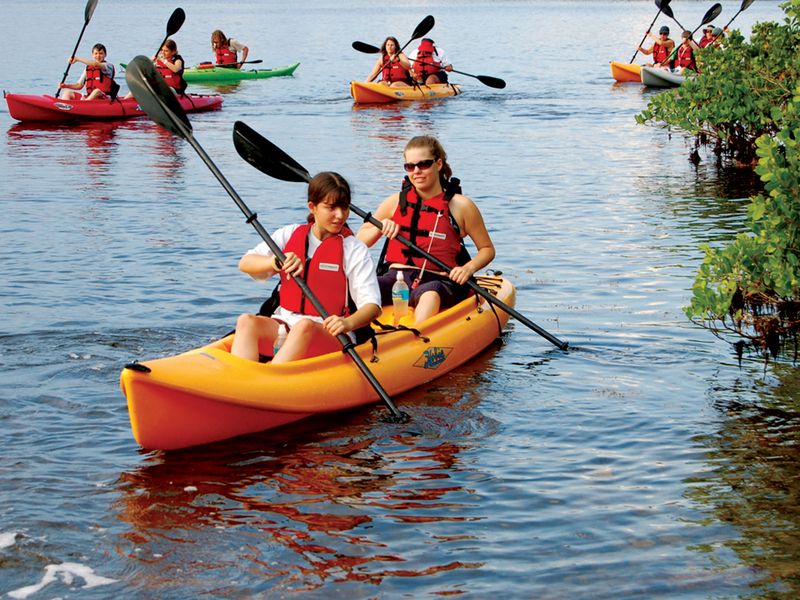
(685, 55)
(226, 51)
(336, 266)
(661, 49)
(98, 77)
(171, 66)
(393, 65)
(432, 213)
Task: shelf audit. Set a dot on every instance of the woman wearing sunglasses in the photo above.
(432, 213)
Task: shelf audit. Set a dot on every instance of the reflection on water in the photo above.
(311, 506)
(753, 481)
(89, 150)
(215, 88)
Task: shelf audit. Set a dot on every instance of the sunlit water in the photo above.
(643, 462)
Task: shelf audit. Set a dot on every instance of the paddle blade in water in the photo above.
(266, 156)
(366, 48)
(155, 97)
(424, 27)
(175, 21)
(90, 6)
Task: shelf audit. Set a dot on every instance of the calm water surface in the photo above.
(644, 462)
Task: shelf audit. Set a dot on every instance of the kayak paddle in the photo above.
(745, 5)
(711, 14)
(493, 82)
(421, 30)
(174, 24)
(210, 65)
(87, 15)
(660, 4)
(268, 158)
(156, 99)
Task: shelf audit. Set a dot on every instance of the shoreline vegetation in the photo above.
(745, 105)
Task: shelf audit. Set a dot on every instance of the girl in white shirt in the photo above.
(309, 334)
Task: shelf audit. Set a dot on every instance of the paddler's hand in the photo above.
(336, 325)
(292, 265)
(389, 228)
(461, 274)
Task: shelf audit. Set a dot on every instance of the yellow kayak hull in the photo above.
(626, 72)
(206, 394)
(377, 93)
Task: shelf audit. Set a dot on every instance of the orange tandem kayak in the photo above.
(206, 394)
(378, 93)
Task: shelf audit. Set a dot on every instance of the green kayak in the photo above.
(223, 75)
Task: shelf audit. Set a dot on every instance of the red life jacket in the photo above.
(97, 80)
(660, 53)
(224, 55)
(686, 58)
(426, 64)
(426, 223)
(394, 71)
(705, 41)
(323, 272)
(174, 80)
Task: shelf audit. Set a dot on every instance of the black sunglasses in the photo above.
(423, 165)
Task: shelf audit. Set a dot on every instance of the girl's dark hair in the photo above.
(170, 43)
(436, 148)
(328, 187)
(383, 46)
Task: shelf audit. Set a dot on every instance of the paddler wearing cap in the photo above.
(708, 36)
(661, 49)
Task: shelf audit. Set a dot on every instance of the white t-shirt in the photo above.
(235, 45)
(362, 282)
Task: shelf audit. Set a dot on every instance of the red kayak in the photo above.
(26, 107)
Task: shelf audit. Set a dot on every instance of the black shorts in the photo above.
(450, 293)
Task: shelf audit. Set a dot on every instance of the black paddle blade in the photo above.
(366, 48)
(424, 27)
(175, 21)
(155, 97)
(746, 4)
(661, 4)
(266, 156)
(91, 5)
(492, 82)
(667, 10)
(712, 13)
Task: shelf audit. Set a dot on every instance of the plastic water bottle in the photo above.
(280, 338)
(400, 298)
